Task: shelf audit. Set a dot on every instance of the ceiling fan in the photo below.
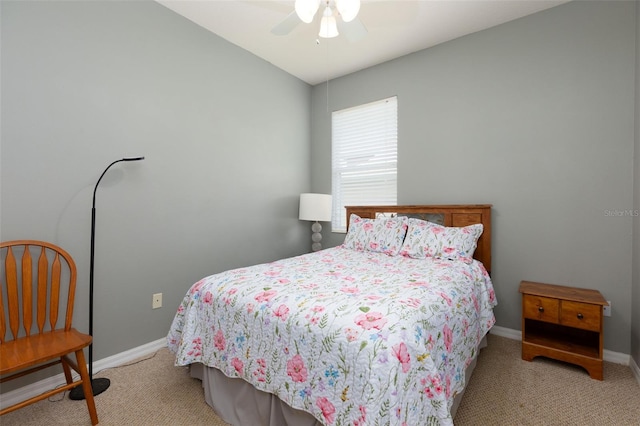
(338, 17)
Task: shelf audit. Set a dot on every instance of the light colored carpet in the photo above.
(504, 390)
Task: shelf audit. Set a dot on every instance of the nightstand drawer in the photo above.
(541, 308)
(581, 315)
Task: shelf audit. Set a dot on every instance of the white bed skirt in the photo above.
(237, 402)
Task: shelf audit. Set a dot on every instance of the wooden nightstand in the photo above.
(563, 323)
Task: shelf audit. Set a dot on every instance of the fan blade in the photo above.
(287, 25)
(353, 31)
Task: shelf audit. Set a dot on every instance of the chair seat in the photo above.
(26, 352)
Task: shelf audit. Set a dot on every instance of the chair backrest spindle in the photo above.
(27, 292)
(11, 273)
(43, 272)
(55, 292)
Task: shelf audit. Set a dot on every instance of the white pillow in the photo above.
(425, 239)
(384, 235)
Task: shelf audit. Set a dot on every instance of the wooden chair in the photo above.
(35, 292)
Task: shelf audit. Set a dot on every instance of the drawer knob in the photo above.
(540, 309)
(580, 316)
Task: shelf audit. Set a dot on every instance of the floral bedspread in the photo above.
(351, 337)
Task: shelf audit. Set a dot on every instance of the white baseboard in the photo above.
(25, 392)
(635, 369)
(617, 357)
(506, 332)
(610, 356)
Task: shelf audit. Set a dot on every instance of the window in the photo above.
(364, 157)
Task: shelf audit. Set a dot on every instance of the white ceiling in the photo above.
(394, 28)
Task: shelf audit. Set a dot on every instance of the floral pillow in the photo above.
(426, 239)
(384, 235)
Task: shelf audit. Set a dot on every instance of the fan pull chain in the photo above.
(327, 74)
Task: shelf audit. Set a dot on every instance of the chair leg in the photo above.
(66, 369)
(86, 386)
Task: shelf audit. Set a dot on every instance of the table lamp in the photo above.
(316, 208)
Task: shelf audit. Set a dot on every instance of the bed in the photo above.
(384, 329)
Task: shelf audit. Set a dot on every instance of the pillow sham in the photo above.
(425, 239)
(383, 235)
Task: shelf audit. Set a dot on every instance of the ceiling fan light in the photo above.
(328, 27)
(348, 9)
(306, 9)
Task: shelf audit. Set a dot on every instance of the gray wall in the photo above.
(635, 300)
(87, 83)
(536, 117)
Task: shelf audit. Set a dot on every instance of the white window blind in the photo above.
(364, 157)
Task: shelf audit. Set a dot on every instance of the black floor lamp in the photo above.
(101, 384)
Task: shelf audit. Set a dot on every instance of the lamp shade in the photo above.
(328, 25)
(315, 207)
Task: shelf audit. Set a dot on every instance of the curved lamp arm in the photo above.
(105, 171)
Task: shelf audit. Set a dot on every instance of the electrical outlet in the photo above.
(157, 301)
(607, 309)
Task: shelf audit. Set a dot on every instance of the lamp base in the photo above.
(98, 385)
(316, 237)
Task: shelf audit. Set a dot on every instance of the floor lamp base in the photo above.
(98, 385)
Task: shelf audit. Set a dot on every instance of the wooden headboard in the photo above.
(447, 215)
